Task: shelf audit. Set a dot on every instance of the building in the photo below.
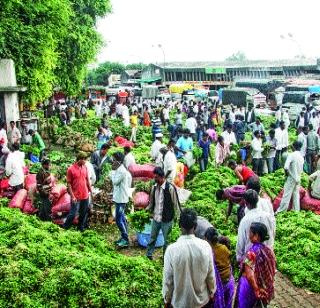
(221, 74)
(131, 77)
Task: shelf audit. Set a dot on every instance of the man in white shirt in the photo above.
(293, 169)
(188, 275)
(253, 215)
(314, 184)
(125, 115)
(166, 115)
(14, 168)
(3, 133)
(156, 146)
(128, 157)
(229, 136)
(232, 115)
(257, 161)
(281, 134)
(302, 137)
(264, 204)
(121, 182)
(14, 135)
(170, 163)
(191, 124)
(286, 118)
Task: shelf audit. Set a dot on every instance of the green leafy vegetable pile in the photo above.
(139, 219)
(297, 248)
(42, 265)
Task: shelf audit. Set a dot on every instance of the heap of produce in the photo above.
(43, 265)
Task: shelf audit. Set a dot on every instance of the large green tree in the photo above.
(51, 42)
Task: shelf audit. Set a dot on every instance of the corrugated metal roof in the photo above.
(253, 63)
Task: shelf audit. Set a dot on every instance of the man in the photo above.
(184, 144)
(257, 126)
(204, 144)
(125, 115)
(134, 126)
(14, 135)
(281, 134)
(239, 128)
(14, 167)
(202, 226)
(300, 120)
(156, 124)
(166, 115)
(232, 115)
(242, 172)
(128, 157)
(3, 134)
(170, 162)
(79, 189)
(44, 187)
(38, 142)
(191, 125)
(302, 137)
(222, 151)
(264, 204)
(121, 182)
(293, 169)
(250, 116)
(188, 274)
(156, 146)
(99, 158)
(164, 204)
(25, 137)
(229, 136)
(312, 148)
(257, 149)
(314, 184)
(253, 215)
(272, 142)
(315, 121)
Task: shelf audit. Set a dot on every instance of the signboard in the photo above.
(215, 70)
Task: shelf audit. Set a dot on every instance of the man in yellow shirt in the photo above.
(134, 126)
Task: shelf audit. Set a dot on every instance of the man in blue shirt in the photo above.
(184, 144)
(204, 144)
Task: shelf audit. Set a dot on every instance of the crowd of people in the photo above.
(197, 267)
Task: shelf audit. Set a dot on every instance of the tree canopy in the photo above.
(100, 75)
(237, 57)
(51, 42)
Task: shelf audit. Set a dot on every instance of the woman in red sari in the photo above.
(146, 118)
(258, 268)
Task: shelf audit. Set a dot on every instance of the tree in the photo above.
(239, 56)
(51, 42)
(100, 75)
(135, 66)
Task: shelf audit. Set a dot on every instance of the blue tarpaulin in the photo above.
(314, 89)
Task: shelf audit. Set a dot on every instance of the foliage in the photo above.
(30, 149)
(135, 66)
(297, 248)
(45, 266)
(139, 219)
(51, 42)
(239, 56)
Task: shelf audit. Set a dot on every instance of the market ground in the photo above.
(286, 295)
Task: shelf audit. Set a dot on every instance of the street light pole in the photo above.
(164, 60)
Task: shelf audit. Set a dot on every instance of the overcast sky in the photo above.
(204, 30)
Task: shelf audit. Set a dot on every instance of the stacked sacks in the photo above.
(141, 200)
(141, 172)
(277, 200)
(311, 204)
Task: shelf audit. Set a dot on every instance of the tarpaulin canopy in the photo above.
(314, 89)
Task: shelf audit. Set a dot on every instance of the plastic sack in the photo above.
(25, 170)
(4, 184)
(310, 204)
(19, 199)
(61, 221)
(32, 191)
(30, 180)
(62, 206)
(183, 195)
(120, 140)
(34, 159)
(57, 191)
(28, 207)
(141, 171)
(277, 200)
(143, 237)
(141, 200)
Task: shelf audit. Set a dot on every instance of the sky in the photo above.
(209, 30)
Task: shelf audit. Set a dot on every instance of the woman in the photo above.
(146, 118)
(223, 271)
(256, 284)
